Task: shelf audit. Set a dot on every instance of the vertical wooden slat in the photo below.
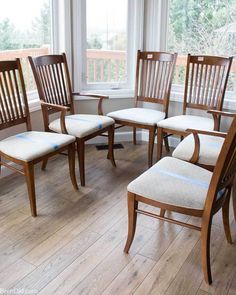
(60, 84)
(192, 66)
(199, 85)
(212, 84)
(15, 108)
(4, 97)
(159, 79)
(18, 95)
(49, 83)
(56, 84)
(63, 83)
(43, 79)
(204, 84)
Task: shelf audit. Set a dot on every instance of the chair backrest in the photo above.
(154, 74)
(14, 107)
(225, 169)
(206, 81)
(52, 78)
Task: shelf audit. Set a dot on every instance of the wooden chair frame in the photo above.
(56, 95)
(145, 92)
(210, 98)
(221, 180)
(195, 156)
(14, 111)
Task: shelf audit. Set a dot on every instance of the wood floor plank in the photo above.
(20, 269)
(190, 276)
(75, 245)
(131, 277)
(84, 264)
(102, 276)
(223, 267)
(52, 267)
(165, 270)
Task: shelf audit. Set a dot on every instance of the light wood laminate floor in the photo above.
(75, 245)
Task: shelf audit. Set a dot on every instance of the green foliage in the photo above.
(7, 34)
(201, 26)
(38, 35)
(94, 42)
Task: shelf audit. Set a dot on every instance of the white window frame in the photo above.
(135, 42)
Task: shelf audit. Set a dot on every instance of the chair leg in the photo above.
(162, 212)
(225, 217)
(205, 249)
(166, 141)
(80, 151)
(134, 136)
(44, 164)
(234, 196)
(71, 160)
(159, 143)
(151, 146)
(132, 220)
(111, 145)
(29, 175)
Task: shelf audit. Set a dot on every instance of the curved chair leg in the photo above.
(29, 175)
(234, 196)
(80, 151)
(205, 250)
(44, 164)
(151, 145)
(225, 216)
(167, 144)
(111, 145)
(134, 136)
(132, 220)
(159, 142)
(71, 160)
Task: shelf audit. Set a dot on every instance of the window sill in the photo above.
(34, 103)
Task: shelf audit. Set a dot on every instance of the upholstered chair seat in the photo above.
(174, 182)
(210, 147)
(82, 125)
(31, 145)
(138, 115)
(183, 122)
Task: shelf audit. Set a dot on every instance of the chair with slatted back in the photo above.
(205, 85)
(55, 91)
(154, 73)
(28, 148)
(194, 191)
(203, 147)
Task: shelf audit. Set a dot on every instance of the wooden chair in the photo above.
(203, 147)
(31, 147)
(194, 191)
(205, 85)
(55, 91)
(154, 73)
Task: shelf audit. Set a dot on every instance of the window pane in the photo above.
(25, 29)
(202, 27)
(106, 41)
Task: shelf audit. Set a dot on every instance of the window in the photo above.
(25, 29)
(202, 27)
(107, 34)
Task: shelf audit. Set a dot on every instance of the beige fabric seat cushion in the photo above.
(174, 182)
(210, 147)
(82, 125)
(183, 122)
(31, 145)
(138, 115)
